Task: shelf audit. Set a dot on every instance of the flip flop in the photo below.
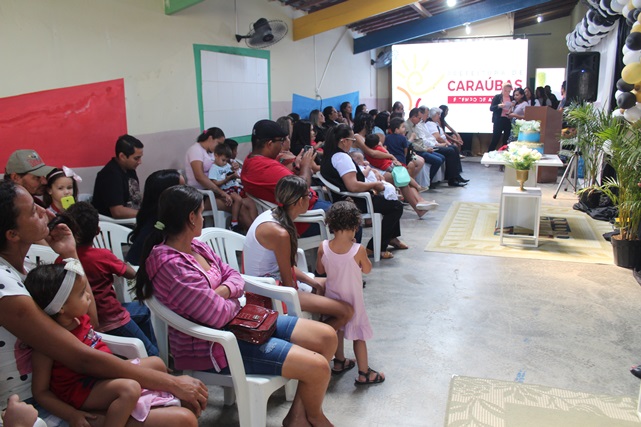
(377, 379)
(345, 364)
(399, 245)
(384, 255)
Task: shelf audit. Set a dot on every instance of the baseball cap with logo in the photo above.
(27, 161)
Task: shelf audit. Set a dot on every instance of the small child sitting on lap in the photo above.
(344, 262)
(372, 175)
(131, 319)
(233, 146)
(63, 292)
(222, 174)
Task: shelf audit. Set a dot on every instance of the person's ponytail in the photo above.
(289, 190)
(174, 207)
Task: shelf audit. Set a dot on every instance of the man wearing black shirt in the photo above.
(116, 192)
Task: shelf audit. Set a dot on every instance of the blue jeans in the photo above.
(138, 327)
(435, 160)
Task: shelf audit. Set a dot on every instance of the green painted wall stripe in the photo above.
(173, 6)
(264, 54)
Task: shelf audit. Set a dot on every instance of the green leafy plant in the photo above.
(590, 122)
(622, 146)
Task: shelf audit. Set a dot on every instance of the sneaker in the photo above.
(426, 206)
(237, 229)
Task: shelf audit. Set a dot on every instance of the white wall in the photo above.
(51, 44)
(549, 51)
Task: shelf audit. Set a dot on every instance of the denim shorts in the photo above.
(268, 358)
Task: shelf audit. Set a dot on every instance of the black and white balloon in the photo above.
(595, 25)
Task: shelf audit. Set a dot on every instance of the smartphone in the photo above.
(67, 201)
(229, 173)
(55, 221)
(306, 148)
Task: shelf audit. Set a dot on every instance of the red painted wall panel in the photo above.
(76, 126)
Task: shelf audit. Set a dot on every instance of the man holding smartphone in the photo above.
(261, 170)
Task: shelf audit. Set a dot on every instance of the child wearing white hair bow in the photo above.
(63, 292)
(62, 189)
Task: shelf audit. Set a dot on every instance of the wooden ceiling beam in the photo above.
(418, 7)
(374, 26)
(342, 14)
(386, 20)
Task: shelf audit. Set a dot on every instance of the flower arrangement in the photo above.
(520, 157)
(526, 126)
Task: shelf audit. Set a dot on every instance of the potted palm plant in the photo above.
(621, 141)
(588, 121)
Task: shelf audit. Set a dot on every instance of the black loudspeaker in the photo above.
(582, 77)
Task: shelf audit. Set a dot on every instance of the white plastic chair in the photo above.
(130, 348)
(376, 218)
(88, 197)
(251, 392)
(112, 236)
(227, 245)
(122, 221)
(40, 254)
(314, 216)
(219, 218)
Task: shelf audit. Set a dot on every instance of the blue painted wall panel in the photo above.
(455, 17)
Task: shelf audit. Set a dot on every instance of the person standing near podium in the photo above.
(500, 107)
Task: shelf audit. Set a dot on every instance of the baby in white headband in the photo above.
(63, 292)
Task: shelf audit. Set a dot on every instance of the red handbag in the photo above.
(254, 324)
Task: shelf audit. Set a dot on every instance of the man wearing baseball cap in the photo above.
(261, 170)
(26, 168)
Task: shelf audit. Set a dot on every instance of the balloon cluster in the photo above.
(597, 23)
(628, 94)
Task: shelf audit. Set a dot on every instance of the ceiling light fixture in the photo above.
(451, 3)
(539, 19)
(468, 29)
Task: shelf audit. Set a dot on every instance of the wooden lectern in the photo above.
(551, 122)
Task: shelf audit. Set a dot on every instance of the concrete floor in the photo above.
(434, 315)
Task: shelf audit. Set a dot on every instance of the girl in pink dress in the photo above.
(344, 262)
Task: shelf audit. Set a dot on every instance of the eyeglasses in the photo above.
(306, 196)
(350, 139)
(281, 140)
